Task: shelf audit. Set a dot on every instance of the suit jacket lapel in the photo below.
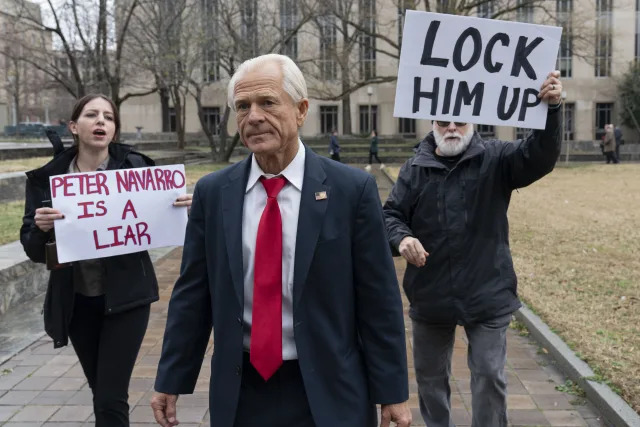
(233, 203)
(310, 221)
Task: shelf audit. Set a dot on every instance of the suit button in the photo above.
(238, 370)
(239, 321)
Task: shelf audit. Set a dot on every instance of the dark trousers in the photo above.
(611, 157)
(279, 402)
(486, 358)
(107, 346)
(372, 155)
(335, 156)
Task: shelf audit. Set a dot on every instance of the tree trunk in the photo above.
(346, 115)
(234, 142)
(226, 147)
(16, 100)
(177, 106)
(346, 81)
(164, 107)
(203, 123)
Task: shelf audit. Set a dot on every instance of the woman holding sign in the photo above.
(102, 304)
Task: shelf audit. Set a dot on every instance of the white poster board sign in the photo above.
(118, 211)
(474, 70)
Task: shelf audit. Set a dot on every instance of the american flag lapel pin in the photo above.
(321, 195)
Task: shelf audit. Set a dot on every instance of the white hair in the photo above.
(292, 79)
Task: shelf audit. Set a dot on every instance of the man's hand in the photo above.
(412, 250)
(164, 409)
(551, 90)
(397, 412)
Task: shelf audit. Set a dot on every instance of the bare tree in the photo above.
(352, 36)
(166, 42)
(233, 31)
(91, 45)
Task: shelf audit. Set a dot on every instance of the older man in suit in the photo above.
(286, 257)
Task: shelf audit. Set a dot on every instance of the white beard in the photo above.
(455, 145)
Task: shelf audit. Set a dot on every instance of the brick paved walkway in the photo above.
(41, 386)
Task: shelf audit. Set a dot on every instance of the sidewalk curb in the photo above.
(388, 175)
(613, 407)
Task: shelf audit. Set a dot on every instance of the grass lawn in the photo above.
(19, 165)
(195, 172)
(10, 221)
(575, 241)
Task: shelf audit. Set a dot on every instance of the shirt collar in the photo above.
(73, 167)
(294, 172)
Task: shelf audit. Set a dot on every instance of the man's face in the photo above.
(452, 139)
(268, 120)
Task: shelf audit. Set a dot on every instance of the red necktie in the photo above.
(266, 318)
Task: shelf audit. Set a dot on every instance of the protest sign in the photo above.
(117, 212)
(474, 70)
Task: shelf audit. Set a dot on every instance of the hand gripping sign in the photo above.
(474, 70)
(118, 211)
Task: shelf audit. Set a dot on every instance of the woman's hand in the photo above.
(44, 218)
(184, 200)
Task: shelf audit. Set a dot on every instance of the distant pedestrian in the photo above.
(373, 151)
(334, 147)
(610, 145)
(619, 141)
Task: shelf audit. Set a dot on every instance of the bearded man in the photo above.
(447, 216)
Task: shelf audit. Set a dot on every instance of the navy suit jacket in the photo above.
(347, 312)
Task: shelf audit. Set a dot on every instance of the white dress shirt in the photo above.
(255, 200)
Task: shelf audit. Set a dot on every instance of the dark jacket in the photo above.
(130, 279)
(347, 312)
(373, 147)
(334, 147)
(460, 217)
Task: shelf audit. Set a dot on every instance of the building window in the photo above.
(211, 61)
(521, 133)
(604, 17)
(485, 9)
(569, 120)
(212, 119)
(564, 13)
(486, 131)
(367, 111)
(603, 117)
(328, 42)
(211, 65)
(249, 27)
(63, 67)
(367, 39)
(407, 127)
(288, 28)
(524, 13)
(172, 120)
(328, 118)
